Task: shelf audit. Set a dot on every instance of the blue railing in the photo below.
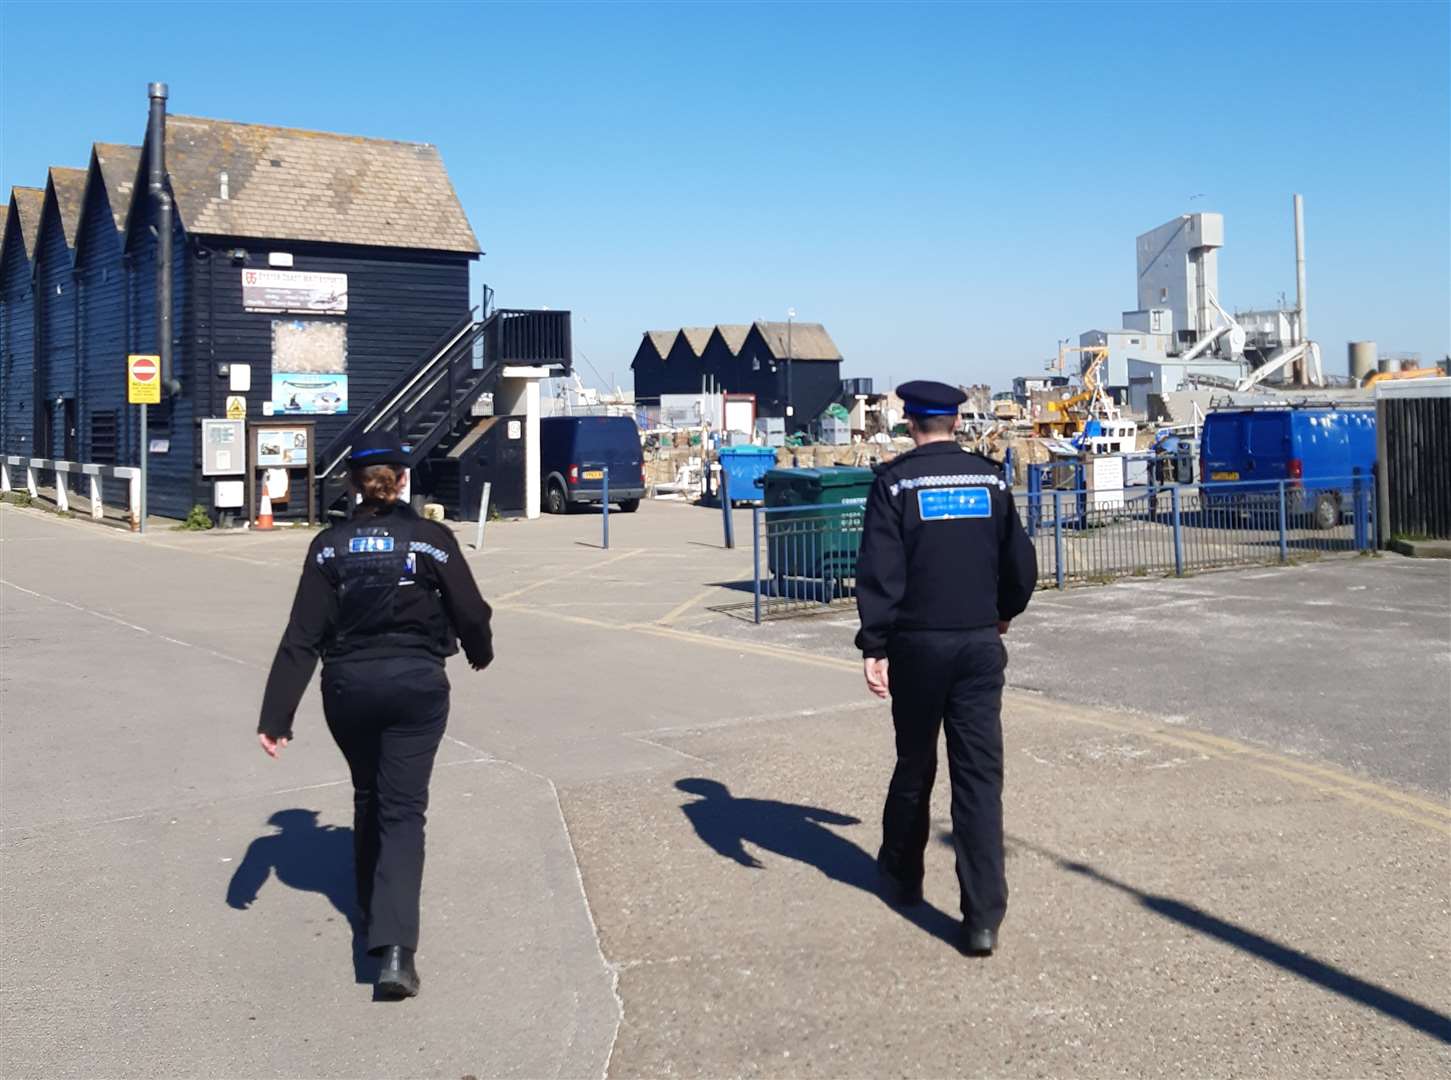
(805, 556)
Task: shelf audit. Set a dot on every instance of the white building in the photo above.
(1123, 346)
(1178, 266)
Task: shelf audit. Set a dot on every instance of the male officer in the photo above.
(945, 566)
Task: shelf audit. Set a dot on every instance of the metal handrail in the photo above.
(365, 423)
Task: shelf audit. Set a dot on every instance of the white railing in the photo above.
(64, 470)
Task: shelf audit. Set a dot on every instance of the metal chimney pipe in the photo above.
(156, 186)
(1300, 266)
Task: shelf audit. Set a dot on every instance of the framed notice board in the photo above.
(281, 456)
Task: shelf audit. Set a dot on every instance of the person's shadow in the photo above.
(311, 858)
(727, 823)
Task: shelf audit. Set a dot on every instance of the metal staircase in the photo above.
(430, 406)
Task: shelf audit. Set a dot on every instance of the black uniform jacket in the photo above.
(382, 585)
(942, 548)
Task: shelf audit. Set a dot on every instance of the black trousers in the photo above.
(952, 679)
(388, 717)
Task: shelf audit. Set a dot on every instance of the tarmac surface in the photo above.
(652, 828)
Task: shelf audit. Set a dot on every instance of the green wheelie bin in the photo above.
(814, 528)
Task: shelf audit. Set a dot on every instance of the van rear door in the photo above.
(612, 441)
(1223, 450)
(1267, 440)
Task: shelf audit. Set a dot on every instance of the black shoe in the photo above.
(980, 942)
(397, 976)
(897, 892)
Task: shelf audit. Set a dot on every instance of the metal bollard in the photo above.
(725, 509)
(756, 515)
(605, 507)
(1178, 533)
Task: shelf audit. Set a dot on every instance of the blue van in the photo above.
(573, 454)
(1316, 450)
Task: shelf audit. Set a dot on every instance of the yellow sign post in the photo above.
(143, 388)
(143, 380)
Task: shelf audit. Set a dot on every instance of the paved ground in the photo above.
(651, 831)
(1347, 659)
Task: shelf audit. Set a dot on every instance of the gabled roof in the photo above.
(734, 335)
(26, 204)
(808, 341)
(663, 340)
(120, 166)
(70, 191)
(290, 184)
(696, 337)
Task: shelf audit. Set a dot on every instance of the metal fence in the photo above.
(805, 556)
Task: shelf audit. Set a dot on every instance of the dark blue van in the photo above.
(1315, 450)
(573, 454)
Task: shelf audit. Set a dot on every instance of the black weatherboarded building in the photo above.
(325, 265)
(795, 366)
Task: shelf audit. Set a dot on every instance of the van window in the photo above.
(617, 439)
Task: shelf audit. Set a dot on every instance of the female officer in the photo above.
(381, 599)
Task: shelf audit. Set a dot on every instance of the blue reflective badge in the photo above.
(365, 544)
(952, 504)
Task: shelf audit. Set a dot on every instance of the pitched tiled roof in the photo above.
(70, 191)
(734, 335)
(663, 340)
(119, 165)
(696, 337)
(808, 341)
(26, 204)
(289, 184)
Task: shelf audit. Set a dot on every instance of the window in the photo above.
(1163, 296)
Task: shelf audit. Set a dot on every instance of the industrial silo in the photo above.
(1362, 360)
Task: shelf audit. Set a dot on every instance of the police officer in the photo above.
(381, 599)
(944, 567)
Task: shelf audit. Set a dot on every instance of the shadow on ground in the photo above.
(310, 858)
(727, 823)
(1387, 1002)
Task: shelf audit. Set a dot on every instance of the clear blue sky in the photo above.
(950, 189)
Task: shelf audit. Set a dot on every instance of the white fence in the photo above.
(64, 470)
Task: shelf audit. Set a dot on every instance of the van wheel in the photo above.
(629, 506)
(554, 500)
(1327, 511)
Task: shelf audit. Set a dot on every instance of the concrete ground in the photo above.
(652, 827)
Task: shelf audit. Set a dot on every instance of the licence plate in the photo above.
(594, 474)
(1224, 476)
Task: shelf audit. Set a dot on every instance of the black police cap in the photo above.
(377, 448)
(924, 397)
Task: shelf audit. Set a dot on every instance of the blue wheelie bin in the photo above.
(742, 467)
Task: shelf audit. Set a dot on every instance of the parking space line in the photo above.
(567, 574)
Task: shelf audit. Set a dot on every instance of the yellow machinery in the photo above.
(1066, 417)
(1409, 373)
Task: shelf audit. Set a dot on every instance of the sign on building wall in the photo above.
(294, 290)
(309, 367)
(143, 379)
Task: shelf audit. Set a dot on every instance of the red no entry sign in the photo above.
(143, 382)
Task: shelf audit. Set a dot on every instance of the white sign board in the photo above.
(294, 290)
(239, 378)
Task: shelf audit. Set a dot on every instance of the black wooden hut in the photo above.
(17, 320)
(796, 365)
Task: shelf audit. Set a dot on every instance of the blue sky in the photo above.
(950, 189)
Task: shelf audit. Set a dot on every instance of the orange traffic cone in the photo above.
(264, 515)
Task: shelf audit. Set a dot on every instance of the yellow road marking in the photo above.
(680, 609)
(1233, 747)
(569, 574)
